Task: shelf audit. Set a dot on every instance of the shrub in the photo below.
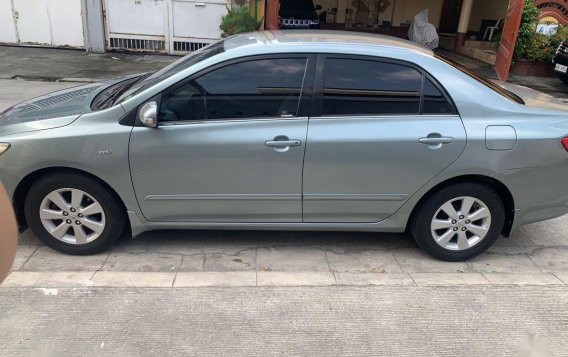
(532, 45)
(527, 30)
(238, 20)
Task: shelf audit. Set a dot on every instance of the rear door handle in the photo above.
(436, 140)
(283, 143)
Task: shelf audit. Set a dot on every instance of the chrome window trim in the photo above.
(221, 121)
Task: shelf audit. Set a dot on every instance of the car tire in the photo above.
(444, 230)
(74, 214)
(564, 78)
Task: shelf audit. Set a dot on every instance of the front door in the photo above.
(380, 131)
(230, 145)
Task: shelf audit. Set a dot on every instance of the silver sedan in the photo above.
(298, 130)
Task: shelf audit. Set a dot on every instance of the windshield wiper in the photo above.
(117, 90)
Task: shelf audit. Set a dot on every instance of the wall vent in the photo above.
(180, 46)
(133, 44)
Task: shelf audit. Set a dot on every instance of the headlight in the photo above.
(4, 147)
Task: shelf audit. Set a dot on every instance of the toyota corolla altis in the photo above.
(298, 130)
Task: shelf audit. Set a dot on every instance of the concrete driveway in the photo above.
(284, 293)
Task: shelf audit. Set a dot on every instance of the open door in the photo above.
(509, 38)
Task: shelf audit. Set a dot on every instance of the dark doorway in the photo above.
(450, 16)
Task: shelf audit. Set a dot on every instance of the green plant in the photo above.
(527, 30)
(238, 20)
(533, 45)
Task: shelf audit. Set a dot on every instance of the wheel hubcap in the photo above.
(72, 216)
(461, 223)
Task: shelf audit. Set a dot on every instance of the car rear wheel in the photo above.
(74, 214)
(564, 78)
(459, 222)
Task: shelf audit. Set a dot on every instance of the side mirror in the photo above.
(318, 7)
(148, 114)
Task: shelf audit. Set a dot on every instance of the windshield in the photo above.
(173, 68)
(502, 91)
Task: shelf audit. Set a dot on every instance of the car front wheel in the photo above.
(74, 214)
(459, 222)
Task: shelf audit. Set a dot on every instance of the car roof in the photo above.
(320, 37)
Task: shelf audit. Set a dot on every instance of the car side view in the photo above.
(289, 130)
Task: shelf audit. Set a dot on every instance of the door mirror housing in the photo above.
(148, 114)
(318, 7)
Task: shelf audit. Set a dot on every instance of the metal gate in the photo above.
(168, 26)
(42, 22)
(509, 39)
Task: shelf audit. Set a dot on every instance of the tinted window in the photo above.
(253, 89)
(362, 87)
(434, 101)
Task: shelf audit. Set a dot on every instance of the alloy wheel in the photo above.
(461, 223)
(72, 216)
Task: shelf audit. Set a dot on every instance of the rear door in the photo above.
(380, 130)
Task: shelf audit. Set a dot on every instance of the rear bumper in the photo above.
(539, 193)
(560, 58)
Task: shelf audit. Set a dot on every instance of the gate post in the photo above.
(509, 38)
(272, 8)
(93, 25)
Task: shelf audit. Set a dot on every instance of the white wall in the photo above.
(42, 22)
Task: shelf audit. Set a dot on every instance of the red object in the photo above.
(565, 143)
(272, 9)
(509, 38)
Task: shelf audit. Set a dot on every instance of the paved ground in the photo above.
(284, 293)
(56, 64)
(315, 321)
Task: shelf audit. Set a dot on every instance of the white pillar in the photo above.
(93, 25)
(465, 16)
(463, 25)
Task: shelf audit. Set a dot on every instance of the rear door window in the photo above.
(375, 88)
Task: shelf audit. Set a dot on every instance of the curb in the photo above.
(86, 279)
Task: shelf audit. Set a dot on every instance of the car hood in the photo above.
(52, 110)
(534, 98)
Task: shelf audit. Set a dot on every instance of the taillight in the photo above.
(565, 143)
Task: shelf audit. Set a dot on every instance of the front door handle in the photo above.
(436, 140)
(283, 143)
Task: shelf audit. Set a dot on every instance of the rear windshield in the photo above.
(495, 87)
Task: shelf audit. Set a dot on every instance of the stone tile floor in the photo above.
(536, 254)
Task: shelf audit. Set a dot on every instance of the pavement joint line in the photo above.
(106, 259)
(484, 277)
(175, 277)
(538, 266)
(564, 281)
(400, 265)
(27, 260)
